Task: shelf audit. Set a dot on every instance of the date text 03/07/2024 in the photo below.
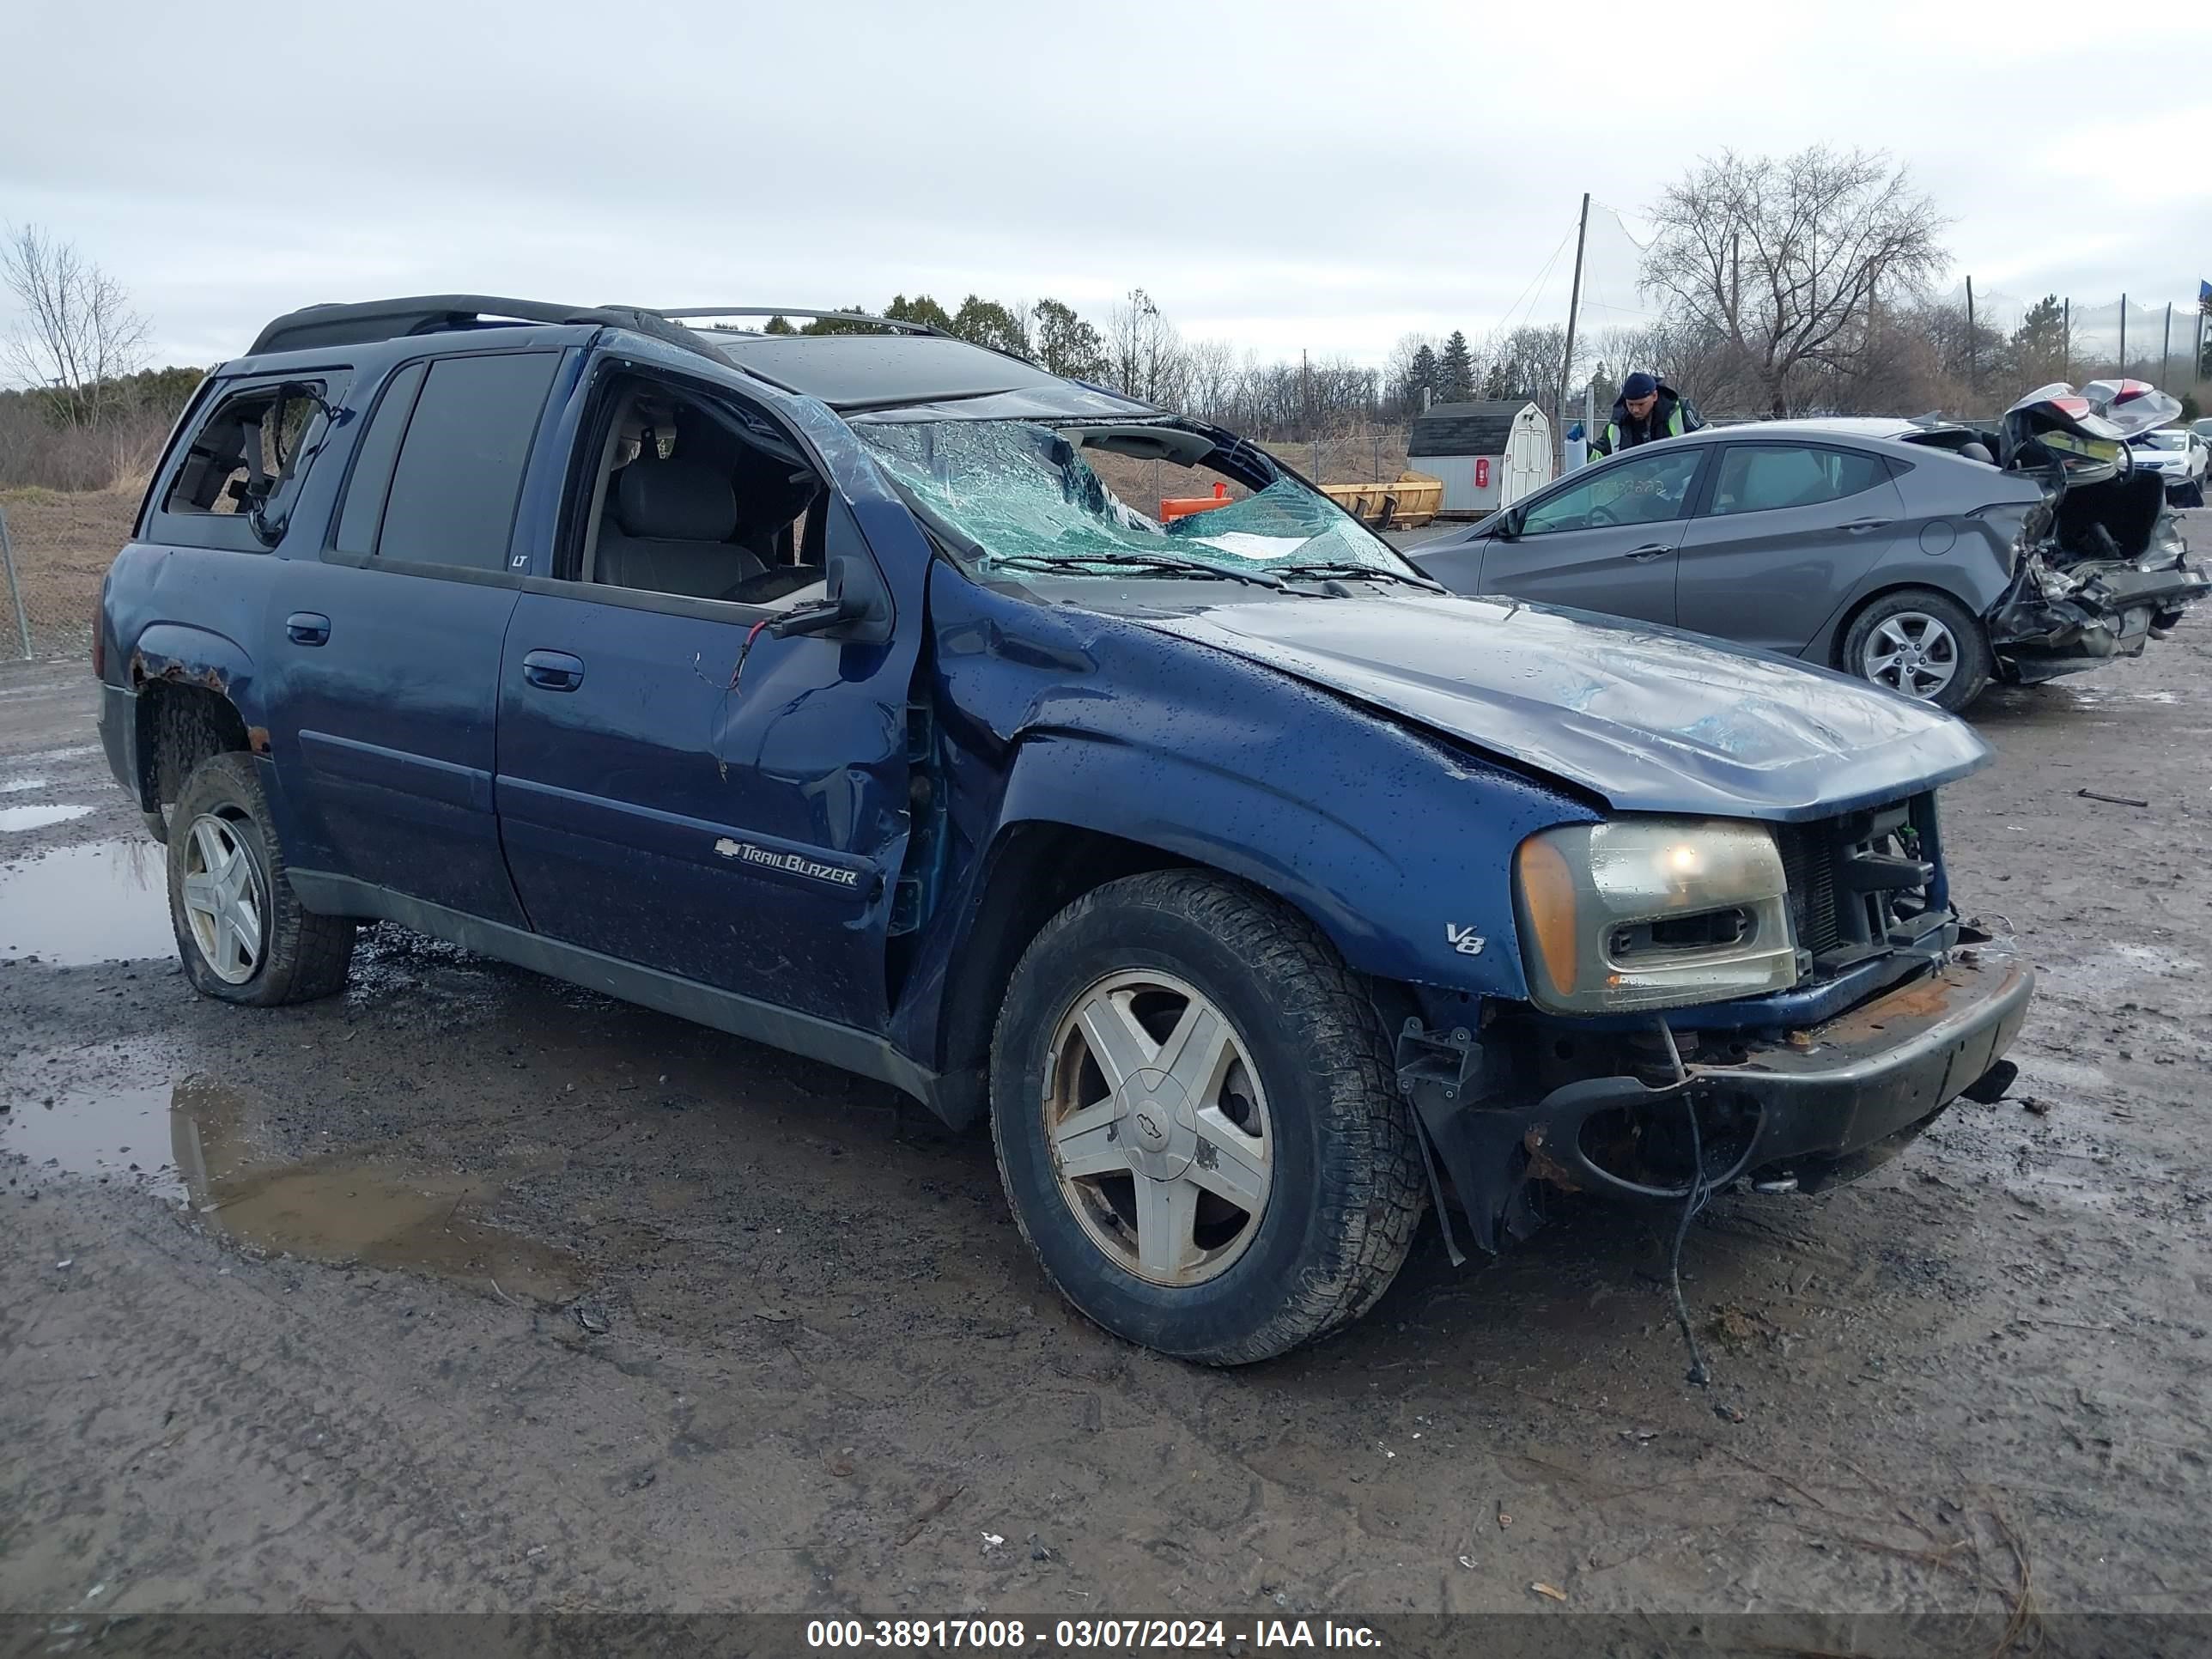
(1079, 1635)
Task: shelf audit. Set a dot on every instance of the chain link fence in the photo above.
(55, 547)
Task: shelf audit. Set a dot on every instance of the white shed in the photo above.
(1489, 454)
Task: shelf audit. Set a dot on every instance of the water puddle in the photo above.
(38, 817)
(104, 901)
(21, 785)
(193, 1142)
(120, 1135)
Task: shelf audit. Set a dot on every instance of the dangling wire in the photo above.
(1693, 1201)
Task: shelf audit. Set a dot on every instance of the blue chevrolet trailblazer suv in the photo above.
(818, 689)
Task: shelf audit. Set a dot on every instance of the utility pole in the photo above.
(2123, 336)
(2066, 339)
(1567, 368)
(1305, 397)
(2165, 350)
(1970, 339)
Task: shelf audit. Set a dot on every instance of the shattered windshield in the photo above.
(1025, 497)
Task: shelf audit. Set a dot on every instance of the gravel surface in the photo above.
(466, 1290)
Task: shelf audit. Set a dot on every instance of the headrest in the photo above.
(674, 501)
(1975, 451)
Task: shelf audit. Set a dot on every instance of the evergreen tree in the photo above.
(2037, 350)
(919, 309)
(1426, 376)
(1456, 371)
(986, 323)
(1066, 345)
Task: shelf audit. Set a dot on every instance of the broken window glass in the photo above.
(1024, 494)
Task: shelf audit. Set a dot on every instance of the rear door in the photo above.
(1783, 532)
(1604, 541)
(387, 645)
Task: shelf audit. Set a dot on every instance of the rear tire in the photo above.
(241, 933)
(1922, 644)
(1258, 1128)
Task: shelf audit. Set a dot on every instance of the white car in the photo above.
(2177, 454)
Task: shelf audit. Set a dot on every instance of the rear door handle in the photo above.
(553, 671)
(307, 627)
(1859, 527)
(1649, 551)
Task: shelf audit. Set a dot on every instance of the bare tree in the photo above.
(78, 337)
(1785, 261)
(1213, 376)
(1147, 353)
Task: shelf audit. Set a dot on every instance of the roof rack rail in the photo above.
(897, 323)
(326, 325)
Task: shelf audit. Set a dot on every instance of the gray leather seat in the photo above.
(669, 529)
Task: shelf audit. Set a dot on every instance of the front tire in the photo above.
(242, 934)
(1924, 644)
(1197, 1123)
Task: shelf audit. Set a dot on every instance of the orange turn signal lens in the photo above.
(1548, 893)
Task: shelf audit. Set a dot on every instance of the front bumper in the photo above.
(1842, 1097)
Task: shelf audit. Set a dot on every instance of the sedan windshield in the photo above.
(1029, 500)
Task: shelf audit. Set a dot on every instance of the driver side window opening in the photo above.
(691, 498)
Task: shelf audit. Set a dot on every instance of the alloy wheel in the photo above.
(224, 902)
(1158, 1128)
(1913, 652)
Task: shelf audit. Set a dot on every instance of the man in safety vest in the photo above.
(1644, 412)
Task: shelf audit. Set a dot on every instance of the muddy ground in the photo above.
(467, 1290)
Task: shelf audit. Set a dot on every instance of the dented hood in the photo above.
(1647, 719)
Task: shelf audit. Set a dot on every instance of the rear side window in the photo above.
(378, 453)
(244, 465)
(1760, 478)
(451, 496)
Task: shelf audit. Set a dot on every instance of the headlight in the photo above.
(1652, 913)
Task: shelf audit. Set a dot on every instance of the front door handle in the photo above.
(1649, 551)
(1860, 526)
(307, 627)
(553, 671)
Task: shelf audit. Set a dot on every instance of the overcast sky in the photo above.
(1283, 175)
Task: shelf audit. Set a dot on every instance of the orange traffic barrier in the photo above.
(1181, 507)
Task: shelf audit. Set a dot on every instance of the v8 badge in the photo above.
(1465, 941)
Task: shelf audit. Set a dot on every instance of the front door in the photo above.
(1604, 541)
(678, 786)
(1789, 529)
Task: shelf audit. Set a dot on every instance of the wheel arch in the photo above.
(1034, 869)
(195, 698)
(1838, 629)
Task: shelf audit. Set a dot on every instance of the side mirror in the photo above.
(1506, 527)
(856, 606)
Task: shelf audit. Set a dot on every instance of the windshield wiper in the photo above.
(1160, 564)
(1358, 572)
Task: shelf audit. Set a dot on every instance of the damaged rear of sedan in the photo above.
(820, 690)
(2102, 567)
(1930, 557)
